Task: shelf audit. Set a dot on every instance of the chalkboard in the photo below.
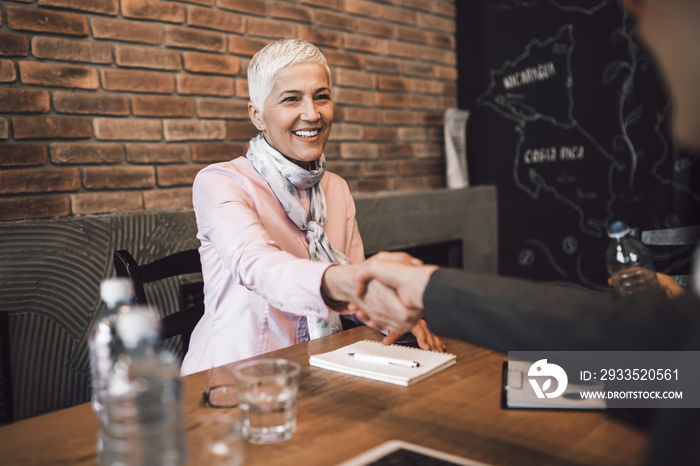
(570, 120)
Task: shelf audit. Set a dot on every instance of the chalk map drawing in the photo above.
(534, 91)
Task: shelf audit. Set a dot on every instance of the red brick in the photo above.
(199, 62)
(157, 153)
(45, 180)
(411, 34)
(426, 86)
(421, 167)
(177, 175)
(52, 75)
(90, 103)
(256, 7)
(436, 22)
(34, 207)
(393, 151)
(240, 130)
(13, 45)
(375, 28)
(446, 72)
(71, 50)
(399, 15)
(345, 169)
(399, 117)
(335, 4)
(245, 45)
(393, 83)
(88, 153)
(167, 12)
(40, 20)
(201, 2)
(347, 59)
(412, 183)
(270, 28)
(435, 182)
(379, 168)
(334, 20)
(402, 49)
(127, 31)
(441, 40)
(417, 68)
(97, 203)
(381, 133)
(361, 115)
(353, 97)
(189, 38)
(222, 108)
(364, 43)
(173, 198)
(14, 155)
(31, 127)
(148, 105)
(359, 150)
(241, 88)
(383, 64)
(346, 132)
(210, 152)
(24, 101)
(364, 8)
(8, 73)
(4, 128)
(446, 8)
(118, 177)
(319, 36)
(190, 84)
(128, 129)
(194, 130)
(107, 7)
(293, 12)
(138, 56)
(215, 19)
(425, 5)
(371, 185)
(354, 78)
(138, 81)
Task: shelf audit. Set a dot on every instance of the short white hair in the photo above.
(275, 56)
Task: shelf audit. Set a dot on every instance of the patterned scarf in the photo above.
(284, 178)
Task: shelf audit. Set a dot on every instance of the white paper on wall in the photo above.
(456, 148)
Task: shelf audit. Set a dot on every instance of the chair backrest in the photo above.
(673, 246)
(181, 321)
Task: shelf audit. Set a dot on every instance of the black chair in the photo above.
(674, 247)
(182, 321)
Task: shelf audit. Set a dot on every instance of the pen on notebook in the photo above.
(384, 360)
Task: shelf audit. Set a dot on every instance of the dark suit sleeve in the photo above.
(508, 314)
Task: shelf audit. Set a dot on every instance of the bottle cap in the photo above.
(618, 229)
(115, 290)
(138, 324)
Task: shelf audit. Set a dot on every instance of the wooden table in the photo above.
(340, 416)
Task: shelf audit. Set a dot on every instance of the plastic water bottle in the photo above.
(117, 295)
(144, 413)
(629, 262)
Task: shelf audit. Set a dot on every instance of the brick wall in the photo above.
(115, 105)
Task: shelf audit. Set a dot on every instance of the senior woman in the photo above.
(272, 223)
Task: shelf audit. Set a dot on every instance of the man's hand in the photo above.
(408, 278)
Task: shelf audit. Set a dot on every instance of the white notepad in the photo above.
(340, 360)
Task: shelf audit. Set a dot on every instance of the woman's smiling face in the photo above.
(298, 113)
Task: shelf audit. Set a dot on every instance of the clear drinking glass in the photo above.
(267, 395)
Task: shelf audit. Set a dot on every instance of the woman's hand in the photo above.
(426, 339)
(669, 286)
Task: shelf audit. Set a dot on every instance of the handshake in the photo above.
(385, 291)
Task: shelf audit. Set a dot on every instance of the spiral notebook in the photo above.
(374, 365)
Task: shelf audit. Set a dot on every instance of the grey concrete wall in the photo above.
(50, 271)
